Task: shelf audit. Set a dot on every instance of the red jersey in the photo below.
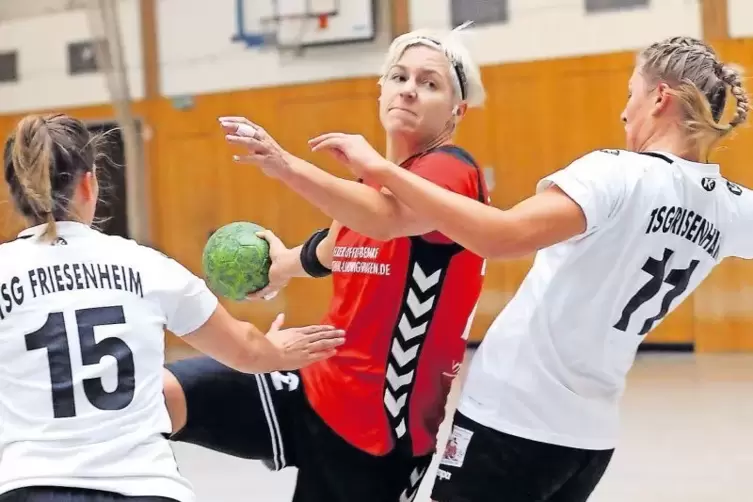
(406, 305)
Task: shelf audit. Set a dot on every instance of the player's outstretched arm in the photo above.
(280, 349)
(193, 312)
(545, 219)
(540, 221)
(355, 205)
(240, 345)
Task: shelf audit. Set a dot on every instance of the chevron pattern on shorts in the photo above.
(415, 480)
(406, 343)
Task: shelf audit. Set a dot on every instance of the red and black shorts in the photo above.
(267, 417)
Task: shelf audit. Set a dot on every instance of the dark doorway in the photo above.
(111, 215)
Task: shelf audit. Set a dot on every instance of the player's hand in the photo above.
(352, 150)
(261, 149)
(278, 270)
(300, 347)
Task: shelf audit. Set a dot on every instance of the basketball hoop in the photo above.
(291, 27)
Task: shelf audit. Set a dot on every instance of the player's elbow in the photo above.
(508, 242)
(509, 248)
(383, 227)
(391, 221)
(395, 231)
(399, 224)
(234, 343)
(381, 232)
(492, 249)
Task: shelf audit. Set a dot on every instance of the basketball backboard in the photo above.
(291, 24)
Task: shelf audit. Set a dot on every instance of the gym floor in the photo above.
(686, 436)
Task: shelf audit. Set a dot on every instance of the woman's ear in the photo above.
(662, 99)
(459, 110)
(89, 186)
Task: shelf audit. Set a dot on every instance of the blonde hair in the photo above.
(700, 81)
(465, 73)
(43, 159)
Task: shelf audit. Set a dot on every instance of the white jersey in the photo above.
(81, 357)
(552, 366)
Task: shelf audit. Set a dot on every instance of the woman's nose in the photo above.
(408, 89)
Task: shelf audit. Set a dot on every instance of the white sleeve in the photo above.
(184, 298)
(596, 182)
(738, 241)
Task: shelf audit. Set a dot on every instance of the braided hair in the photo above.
(701, 82)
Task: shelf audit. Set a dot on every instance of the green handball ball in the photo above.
(236, 261)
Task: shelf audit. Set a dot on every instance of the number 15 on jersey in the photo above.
(53, 337)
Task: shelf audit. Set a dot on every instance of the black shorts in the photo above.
(61, 494)
(267, 417)
(484, 465)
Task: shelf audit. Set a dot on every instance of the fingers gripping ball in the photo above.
(236, 261)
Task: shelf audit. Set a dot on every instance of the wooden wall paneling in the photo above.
(734, 153)
(186, 203)
(149, 22)
(399, 17)
(250, 194)
(188, 206)
(723, 320)
(519, 104)
(714, 19)
(171, 131)
(594, 101)
(10, 224)
(177, 173)
(477, 133)
(724, 302)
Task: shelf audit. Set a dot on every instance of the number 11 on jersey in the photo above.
(679, 279)
(54, 338)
